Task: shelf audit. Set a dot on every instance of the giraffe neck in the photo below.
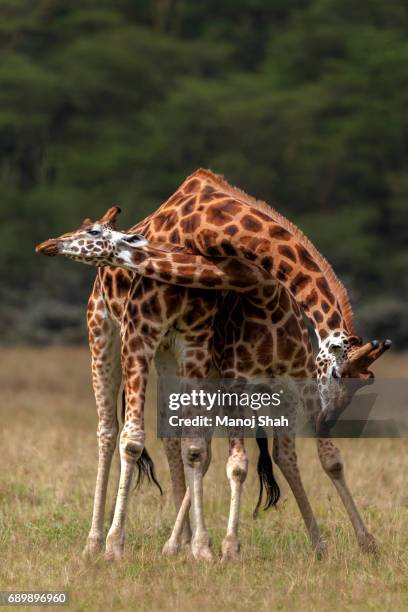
(210, 217)
(171, 265)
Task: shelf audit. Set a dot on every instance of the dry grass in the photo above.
(48, 465)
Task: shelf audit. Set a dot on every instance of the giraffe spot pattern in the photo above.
(188, 207)
(311, 299)
(191, 223)
(231, 230)
(287, 252)
(299, 282)
(284, 270)
(217, 216)
(325, 289)
(175, 237)
(325, 306)
(267, 263)
(191, 186)
(279, 233)
(251, 224)
(334, 321)
(306, 259)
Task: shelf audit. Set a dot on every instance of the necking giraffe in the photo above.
(232, 354)
(190, 325)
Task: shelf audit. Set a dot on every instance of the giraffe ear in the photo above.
(85, 223)
(110, 216)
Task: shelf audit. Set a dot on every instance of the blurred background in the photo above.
(301, 103)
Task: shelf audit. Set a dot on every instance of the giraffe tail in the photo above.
(145, 464)
(146, 469)
(265, 472)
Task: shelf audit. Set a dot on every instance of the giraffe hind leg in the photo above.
(284, 454)
(131, 449)
(196, 453)
(175, 541)
(332, 463)
(181, 534)
(237, 470)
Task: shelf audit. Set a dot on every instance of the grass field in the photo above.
(47, 472)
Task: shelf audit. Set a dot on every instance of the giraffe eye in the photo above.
(93, 232)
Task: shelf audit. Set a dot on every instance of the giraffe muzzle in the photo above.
(49, 247)
(359, 362)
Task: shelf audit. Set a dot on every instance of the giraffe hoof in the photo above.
(201, 550)
(321, 550)
(171, 548)
(230, 549)
(93, 548)
(114, 549)
(203, 554)
(113, 554)
(369, 545)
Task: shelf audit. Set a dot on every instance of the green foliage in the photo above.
(301, 103)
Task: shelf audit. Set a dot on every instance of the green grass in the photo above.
(47, 472)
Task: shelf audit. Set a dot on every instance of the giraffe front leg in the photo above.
(130, 447)
(284, 455)
(332, 463)
(106, 377)
(237, 469)
(196, 453)
(194, 362)
(138, 348)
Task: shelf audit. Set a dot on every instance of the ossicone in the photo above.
(85, 223)
(110, 216)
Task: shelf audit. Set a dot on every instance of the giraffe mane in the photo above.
(336, 285)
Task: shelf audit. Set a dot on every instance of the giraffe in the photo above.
(214, 218)
(235, 275)
(327, 451)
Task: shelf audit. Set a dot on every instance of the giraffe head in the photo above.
(342, 368)
(94, 243)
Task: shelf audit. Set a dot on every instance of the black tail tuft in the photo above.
(265, 473)
(145, 468)
(145, 463)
